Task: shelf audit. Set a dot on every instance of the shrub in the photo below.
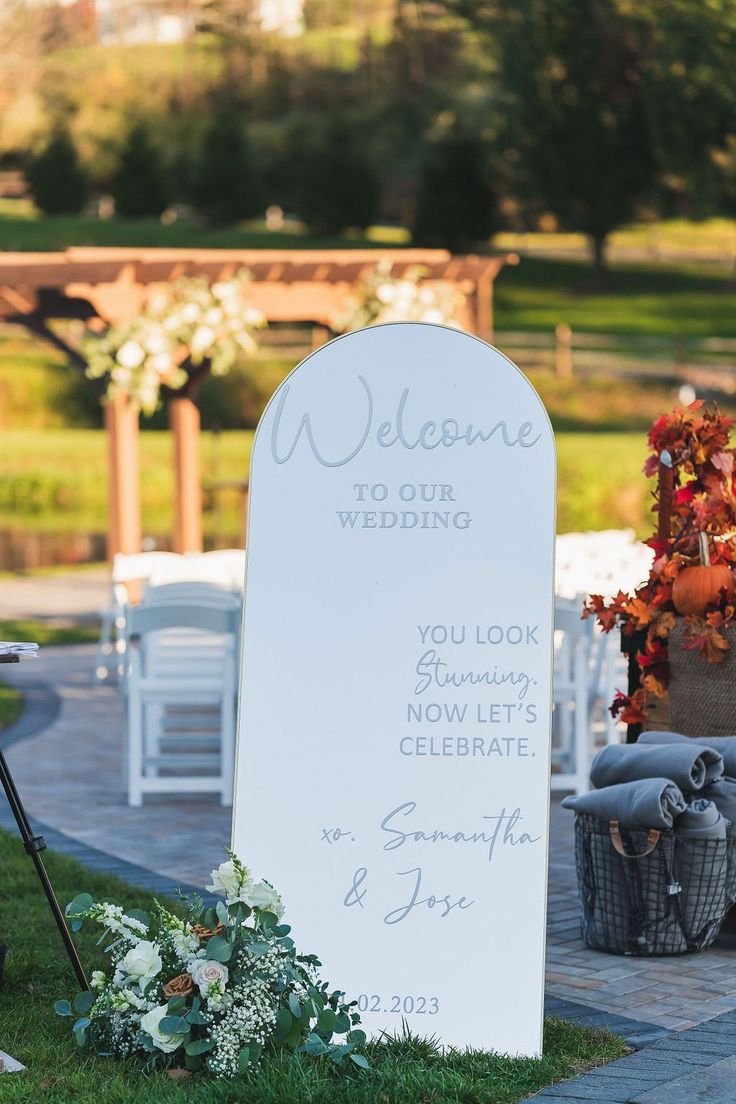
(456, 204)
(226, 185)
(56, 178)
(339, 186)
(139, 186)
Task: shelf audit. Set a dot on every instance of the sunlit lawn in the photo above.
(54, 481)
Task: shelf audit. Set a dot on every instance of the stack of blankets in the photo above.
(665, 781)
(686, 788)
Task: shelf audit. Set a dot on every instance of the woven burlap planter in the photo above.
(702, 695)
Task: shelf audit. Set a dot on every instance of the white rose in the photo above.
(142, 963)
(227, 881)
(206, 972)
(130, 354)
(150, 1022)
(202, 339)
(264, 896)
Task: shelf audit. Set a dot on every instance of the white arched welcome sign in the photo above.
(393, 764)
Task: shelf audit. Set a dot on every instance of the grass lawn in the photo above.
(37, 973)
(11, 701)
(42, 633)
(54, 481)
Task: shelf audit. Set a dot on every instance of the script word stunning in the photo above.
(430, 435)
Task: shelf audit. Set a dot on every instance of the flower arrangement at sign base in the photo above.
(694, 553)
(189, 321)
(214, 991)
(383, 297)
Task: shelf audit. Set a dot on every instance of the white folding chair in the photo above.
(126, 569)
(180, 708)
(571, 716)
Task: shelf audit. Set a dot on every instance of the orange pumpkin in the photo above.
(696, 587)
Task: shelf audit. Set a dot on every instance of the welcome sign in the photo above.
(393, 754)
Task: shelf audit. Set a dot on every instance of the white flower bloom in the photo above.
(155, 343)
(209, 975)
(225, 289)
(202, 338)
(159, 363)
(97, 980)
(150, 1022)
(253, 317)
(385, 293)
(213, 316)
(434, 315)
(229, 882)
(191, 312)
(264, 896)
(142, 963)
(130, 354)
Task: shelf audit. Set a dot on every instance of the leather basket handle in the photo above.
(652, 841)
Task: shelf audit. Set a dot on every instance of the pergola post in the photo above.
(185, 426)
(124, 505)
(484, 307)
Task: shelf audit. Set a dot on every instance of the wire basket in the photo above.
(651, 892)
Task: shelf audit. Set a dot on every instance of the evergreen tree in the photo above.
(455, 203)
(56, 179)
(226, 186)
(140, 186)
(339, 186)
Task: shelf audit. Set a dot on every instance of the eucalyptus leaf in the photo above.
(360, 1060)
(219, 949)
(295, 1007)
(342, 1023)
(244, 1059)
(175, 1006)
(83, 1002)
(173, 1025)
(200, 1046)
(62, 1008)
(81, 903)
(221, 910)
(326, 1020)
(140, 915)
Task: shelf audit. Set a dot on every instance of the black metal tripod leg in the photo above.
(33, 846)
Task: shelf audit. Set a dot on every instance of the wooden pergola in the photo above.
(109, 285)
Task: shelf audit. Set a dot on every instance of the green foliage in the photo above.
(227, 186)
(338, 185)
(140, 186)
(606, 101)
(43, 633)
(11, 700)
(56, 178)
(456, 202)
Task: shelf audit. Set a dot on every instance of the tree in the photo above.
(602, 97)
(455, 202)
(56, 178)
(226, 186)
(140, 186)
(339, 187)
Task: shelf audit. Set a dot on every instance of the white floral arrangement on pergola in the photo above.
(184, 329)
(382, 297)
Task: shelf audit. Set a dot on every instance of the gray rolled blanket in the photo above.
(647, 803)
(702, 820)
(724, 745)
(722, 793)
(690, 766)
